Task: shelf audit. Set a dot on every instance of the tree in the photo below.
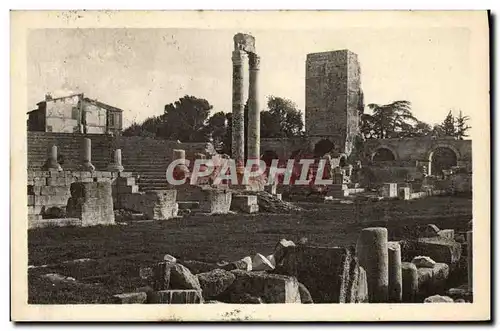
(185, 119)
(448, 125)
(461, 126)
(282, 119)
(148, 128)
(388, 121)
(216, 128)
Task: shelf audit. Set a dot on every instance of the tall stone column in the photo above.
(238, 121)
(253, 135)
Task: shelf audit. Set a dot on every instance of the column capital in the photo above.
(238, 57)
(254, 61)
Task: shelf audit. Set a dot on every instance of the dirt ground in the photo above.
(117, 252)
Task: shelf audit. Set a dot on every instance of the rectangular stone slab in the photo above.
(327, 272)
(271, 288)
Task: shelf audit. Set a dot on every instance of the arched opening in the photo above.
(383, 154)
(322, 147)
(269, 156)
(442, 158)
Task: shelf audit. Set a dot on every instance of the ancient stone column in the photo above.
(469, 260)
(395, 273)
(253, 134)
(238, 121)
(372, 254)
(87, 155)
(117, 161)
(410, 281)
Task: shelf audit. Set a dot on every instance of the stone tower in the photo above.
(333, 98)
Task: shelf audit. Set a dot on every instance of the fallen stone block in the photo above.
(130, 298)
(261, 263)
(169, 258)
(440, 249)
(176, 297)
(215, 201)
(243, 264)
(215, 282)
(404, 193)
(280, 249)
(389, 190)
(305, 296)
(438, 299)
(271, 288)
(156, 205)
(161, 276)
(181, 278)
(423, 262)
(447, 234)
(432, 280)
(325, 271)
(462, 292)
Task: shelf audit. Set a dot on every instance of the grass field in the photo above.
(117, 252)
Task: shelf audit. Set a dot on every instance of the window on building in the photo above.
(111, 119)
(74, 113)
(49, 128)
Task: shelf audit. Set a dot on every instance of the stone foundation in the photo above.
(92, 203)
(155, 205)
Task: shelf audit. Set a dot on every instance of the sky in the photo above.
(142, 70)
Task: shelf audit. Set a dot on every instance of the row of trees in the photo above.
(189, 120)
(395, 120)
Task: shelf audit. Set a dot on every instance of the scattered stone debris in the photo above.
(438, 299)
(272, 204)
(423, 262)
(215, 282)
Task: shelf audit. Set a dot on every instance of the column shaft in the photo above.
(253, 109)
(238, 121)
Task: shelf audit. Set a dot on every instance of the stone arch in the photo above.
(323, 147)
(442, 157)
(384, 153)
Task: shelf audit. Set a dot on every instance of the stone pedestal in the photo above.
(238, 120)
(372, 254)
(87, 155)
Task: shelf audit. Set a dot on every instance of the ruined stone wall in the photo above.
(284, 147)
(332, 97)
(409, 151)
